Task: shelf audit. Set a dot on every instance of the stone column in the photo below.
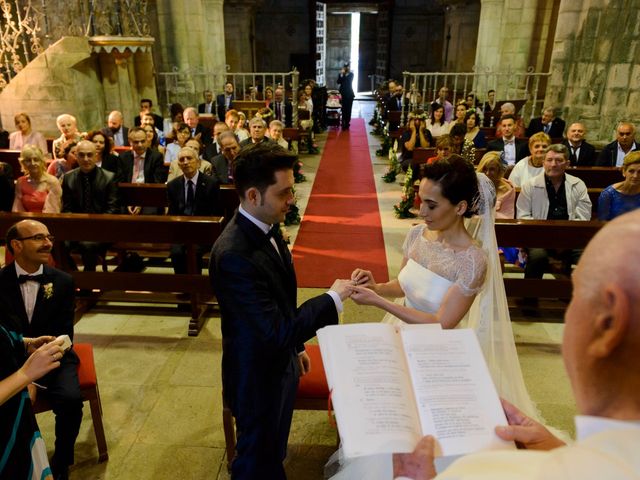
(489, 34)
(214, 53)
(240, 34)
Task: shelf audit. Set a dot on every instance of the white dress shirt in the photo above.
(29, 289)
(510, 151)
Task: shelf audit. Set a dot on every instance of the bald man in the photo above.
(581, 152)
(42, 298)
(116, 130)
(506, 109)
(612, 155)
(600, 350)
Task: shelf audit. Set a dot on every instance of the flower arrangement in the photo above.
(386, 142)
(298, 176)
(293, 215)
(402, 209)
(47, 290)
(394, 166)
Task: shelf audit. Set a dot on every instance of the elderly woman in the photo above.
(474, 134)
(25, 134)
(36, 190)
(623, 196)
(491, 165)
(68, 127)
(531, 166)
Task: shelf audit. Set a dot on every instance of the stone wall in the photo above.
(596, 64)
(63, 79)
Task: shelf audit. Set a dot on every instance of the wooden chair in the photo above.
(89, 388)
(313, 394)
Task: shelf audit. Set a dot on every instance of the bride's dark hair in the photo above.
(457, 179)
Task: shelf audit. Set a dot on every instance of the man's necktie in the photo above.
(547, 128)
(278, 114)
(573, 159)
(188, 209)
(33, 278)
(86, 194)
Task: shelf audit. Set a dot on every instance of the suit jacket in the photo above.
(522, 147)
(220, 102)
(262, 327)
(345, 83)
(125, 135)
(249, 141)
(288, 113)
(201, 108)
(586, 155)
(206, 136)
(104, 193)
(206, 200)
(220, 166)
(51, 316)
(154, 169)
(609, 154)
(211, 151)
(556, 130)
(157, 121)
(110, 162)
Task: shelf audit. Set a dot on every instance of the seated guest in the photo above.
(242, 131)
(180, 135)
(490, 109)
(474, 134)
(512, 148)
(436, 123)
(68, 162)
(104, 158)
(443, 102)
(141, 164)
(492, 167)
(91, 189)
(581, 152)
(510, 109)
(204, 165)
(36, 190)
(176, 111)
(268, 95)
(232, 119)
(460, 145)
(159, 141)
(257, 132)
(600, 343)
(416, 136)
(115, 130)
(553, 195)
(145, 109)
(25, 135)
(460, 113)
(623, 196)
(209, 106)
(547, 123)
(213, 149)
(612, 155)
(68, 135)
(225, 100)
(531, 166)
(472, 102)
(281, 108)
(198, 131)
(41, 299)
(396, 103)
(443, 149)
(192, 193)
(305, 122)
(276, 128)
(223, 165)
(152, 139)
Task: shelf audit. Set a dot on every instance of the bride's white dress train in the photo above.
(430, 271)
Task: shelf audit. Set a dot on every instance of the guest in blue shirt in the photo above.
(623, 196)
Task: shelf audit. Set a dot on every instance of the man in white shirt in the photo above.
(513, 149)
(600, 350)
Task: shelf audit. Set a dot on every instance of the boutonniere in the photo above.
(47, 289)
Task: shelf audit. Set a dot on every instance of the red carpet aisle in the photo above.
(341, 228)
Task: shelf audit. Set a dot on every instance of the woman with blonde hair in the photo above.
(492, 167)
(531, 166)
(36, 191)
(25, 134)
(623, 196)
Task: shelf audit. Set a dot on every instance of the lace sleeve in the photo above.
(472, 271)
(411, 237)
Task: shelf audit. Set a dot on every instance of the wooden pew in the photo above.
(11, 157)
(134, 287)
(597, 177)
(552, 234)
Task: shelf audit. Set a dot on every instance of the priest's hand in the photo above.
(527, 433)
(418, 464)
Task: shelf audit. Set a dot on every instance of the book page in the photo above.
(457, 401)
(371, 391)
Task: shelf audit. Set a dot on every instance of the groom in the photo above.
(263, 330)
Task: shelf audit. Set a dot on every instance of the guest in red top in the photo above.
(36, 191)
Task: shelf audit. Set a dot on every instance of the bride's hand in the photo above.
(363, 278)
(364, 296)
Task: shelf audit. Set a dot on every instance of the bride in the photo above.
(451, 275)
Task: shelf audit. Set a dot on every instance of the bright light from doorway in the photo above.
(355, 46)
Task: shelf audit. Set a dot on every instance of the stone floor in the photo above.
(161, 391)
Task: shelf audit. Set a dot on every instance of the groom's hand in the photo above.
(342, 288)
(304, 362)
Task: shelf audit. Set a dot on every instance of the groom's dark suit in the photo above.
(51, 316)
(262, 332)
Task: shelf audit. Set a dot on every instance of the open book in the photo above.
(390, 387)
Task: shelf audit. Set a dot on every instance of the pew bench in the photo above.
(133, 286)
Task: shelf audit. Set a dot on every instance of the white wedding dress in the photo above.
(430, 271)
